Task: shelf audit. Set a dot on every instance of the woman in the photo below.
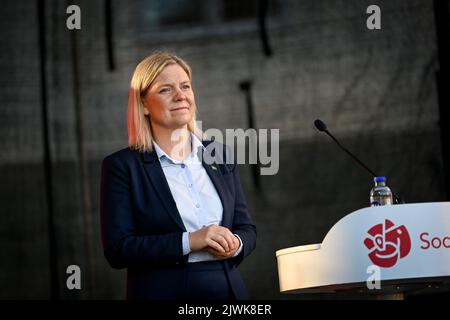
(178, 224)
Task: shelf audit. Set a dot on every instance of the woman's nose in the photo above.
(179, 94)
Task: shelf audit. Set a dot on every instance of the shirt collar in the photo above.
(195, 143)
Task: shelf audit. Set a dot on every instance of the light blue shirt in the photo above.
(195, 196)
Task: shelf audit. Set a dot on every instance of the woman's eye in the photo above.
(164, 90)
(186, 86)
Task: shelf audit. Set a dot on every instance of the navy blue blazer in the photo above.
(142, 229)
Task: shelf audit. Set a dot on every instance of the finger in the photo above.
(235, 242)
(213, 234)
(222, 241)
(231, 240)
(217, 254)
(226, 234)
(215, 245)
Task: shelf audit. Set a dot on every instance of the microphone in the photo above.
(322, 127)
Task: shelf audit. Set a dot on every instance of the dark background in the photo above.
(63, 106)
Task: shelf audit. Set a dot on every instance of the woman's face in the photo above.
(170, 101)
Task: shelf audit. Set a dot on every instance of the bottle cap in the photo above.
(380, 179)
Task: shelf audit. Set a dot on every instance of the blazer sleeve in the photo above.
(123, 248)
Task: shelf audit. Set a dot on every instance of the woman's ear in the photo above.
(145, 106)
(146, 112)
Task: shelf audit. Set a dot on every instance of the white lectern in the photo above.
(381, 250)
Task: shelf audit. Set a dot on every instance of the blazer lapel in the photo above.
(154, 171)
(215, 175)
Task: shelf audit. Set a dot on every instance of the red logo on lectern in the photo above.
(387, 243)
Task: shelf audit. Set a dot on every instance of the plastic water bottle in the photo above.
(380, 195)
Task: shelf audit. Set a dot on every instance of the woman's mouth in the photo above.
(180, 108)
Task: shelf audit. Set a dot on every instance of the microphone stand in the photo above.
(322, 127)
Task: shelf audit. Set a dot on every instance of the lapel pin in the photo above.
(213, 167)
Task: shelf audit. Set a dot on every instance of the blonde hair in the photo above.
(139, 128)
